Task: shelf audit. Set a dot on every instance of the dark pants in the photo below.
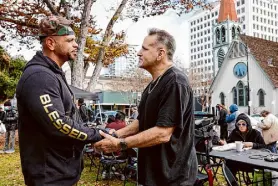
(223, 131)
(237, 166)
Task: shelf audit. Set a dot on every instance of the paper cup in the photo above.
(239, 146)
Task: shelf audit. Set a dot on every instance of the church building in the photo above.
(245, 67)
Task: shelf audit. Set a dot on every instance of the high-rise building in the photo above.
(258, 18)
(125, 65)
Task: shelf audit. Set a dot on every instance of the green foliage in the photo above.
(10, 72)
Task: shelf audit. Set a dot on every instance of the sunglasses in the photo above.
(242, 124)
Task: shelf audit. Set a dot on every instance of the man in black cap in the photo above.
(51, 138)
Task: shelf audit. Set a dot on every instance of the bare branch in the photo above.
(51, 7)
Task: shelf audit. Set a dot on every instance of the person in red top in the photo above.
(117, 124)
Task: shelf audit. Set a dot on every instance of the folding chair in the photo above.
(229, 177)
(114, 165)
(90, 153)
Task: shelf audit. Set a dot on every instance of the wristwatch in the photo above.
(123, 144)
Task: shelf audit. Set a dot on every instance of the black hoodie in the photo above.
(51, 139)
(252, 135)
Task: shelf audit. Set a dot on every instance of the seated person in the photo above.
(118, 123)
(250, 138)
(245, 133)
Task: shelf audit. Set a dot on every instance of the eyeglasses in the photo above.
(241, 124)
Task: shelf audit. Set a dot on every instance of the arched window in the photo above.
(223, 34)
(246, 95)
(220, 55)
(222, 98)
(241, 94)
(238, 30)
(261, 94)
(217, 32)
(233, 32)
(234, 95)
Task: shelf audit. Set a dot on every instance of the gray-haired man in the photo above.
(164, 129)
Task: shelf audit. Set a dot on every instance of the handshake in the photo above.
(109, 143)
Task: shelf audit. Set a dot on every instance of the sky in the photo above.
(175, 25)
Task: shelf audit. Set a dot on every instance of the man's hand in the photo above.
(111, 131)
(247, 144)
(108, 144)
(222, 142)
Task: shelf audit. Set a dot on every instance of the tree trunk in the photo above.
(105, 42)
(77, 73)
(86, 68)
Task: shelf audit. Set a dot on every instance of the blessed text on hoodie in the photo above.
(50, 140)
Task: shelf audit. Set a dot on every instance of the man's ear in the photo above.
(161, 54)
(50, 43)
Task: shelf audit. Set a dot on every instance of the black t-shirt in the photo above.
(170, 103)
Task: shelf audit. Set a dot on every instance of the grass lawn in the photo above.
(10, 172)
(11, 175)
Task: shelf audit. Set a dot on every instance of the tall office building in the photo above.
(258, 18)
(125, 65)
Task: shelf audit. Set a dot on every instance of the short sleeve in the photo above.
(173, 105)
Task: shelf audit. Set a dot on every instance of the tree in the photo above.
(197, 80)
(10, 72)
(21, 18)
(131, 92)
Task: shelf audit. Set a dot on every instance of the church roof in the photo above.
(266, 54)
(227, 11)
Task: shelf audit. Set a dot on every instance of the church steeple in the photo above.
(227, 11)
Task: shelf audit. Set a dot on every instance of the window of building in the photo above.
(223, 34)
(242, 2)
(261, 94)
(217, 36)
(246, 95)
(233, 32)
(222, 98)
(241, 94)
(238, 30)
(234, 95)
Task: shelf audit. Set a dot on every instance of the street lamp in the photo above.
(248, 87)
